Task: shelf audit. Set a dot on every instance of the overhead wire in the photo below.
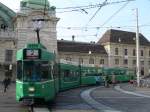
(114, 14)
(78, 8)
(103, 4)
(92, 28)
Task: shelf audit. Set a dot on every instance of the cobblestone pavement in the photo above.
(8, 102)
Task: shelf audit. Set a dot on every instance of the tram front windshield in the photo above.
(36, 71)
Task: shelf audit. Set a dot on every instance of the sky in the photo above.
(120, 16)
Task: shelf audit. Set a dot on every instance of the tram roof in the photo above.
(45, 55)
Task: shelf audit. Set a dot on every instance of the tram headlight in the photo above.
(31, 89)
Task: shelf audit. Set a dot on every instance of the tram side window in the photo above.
(66, 73)
(19, 70)
(84, 72)
(55, 70)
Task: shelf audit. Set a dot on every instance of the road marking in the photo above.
(132, 93)
(93, 103)
(118, 97)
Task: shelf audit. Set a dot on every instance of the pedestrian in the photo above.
(107, 81)
(97, 79)
(6, 82)
(113, 80)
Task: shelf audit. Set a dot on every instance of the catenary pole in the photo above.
(137, 49)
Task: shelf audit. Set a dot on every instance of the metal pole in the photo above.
(137, 49)
(38, 37)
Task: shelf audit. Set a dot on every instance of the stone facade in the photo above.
(7, 56)
(82, 53)
(122, 50)
(25, 26)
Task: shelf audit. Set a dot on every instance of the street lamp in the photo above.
(90, 52)
(37, 23)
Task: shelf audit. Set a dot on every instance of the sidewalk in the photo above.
(137, 90)
(8, 100)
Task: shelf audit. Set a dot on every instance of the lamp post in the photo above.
(37, 23)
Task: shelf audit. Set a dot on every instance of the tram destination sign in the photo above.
(32, 54)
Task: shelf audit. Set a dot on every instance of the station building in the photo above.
(115, 48)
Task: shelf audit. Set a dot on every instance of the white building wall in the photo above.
(75, 57)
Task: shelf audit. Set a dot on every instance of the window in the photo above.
(70, 75)
(142, 53)
(23, 4)
(142, 62)
(66, 73)
(125, 51)
(116, 51)
(80, 60)
(101, 61)
(68, 59)
(149, 62)
(19, 70)
(134, 62)
(134, 52)
(117, 61)
(142, 71)
(37, 71)
(8, 55)
(91, 61)
(125, 61)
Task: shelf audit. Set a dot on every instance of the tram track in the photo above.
(35, 107)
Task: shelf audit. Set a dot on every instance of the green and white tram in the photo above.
(35, 73)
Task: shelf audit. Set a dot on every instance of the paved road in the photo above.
(121, 101)
(70, 101)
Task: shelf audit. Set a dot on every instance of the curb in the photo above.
(131, 93)
(85, 95)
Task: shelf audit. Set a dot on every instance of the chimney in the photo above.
(73, 37)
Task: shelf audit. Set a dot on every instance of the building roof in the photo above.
(7, 15)
(80, 47)
(36, 4)
(123, 37)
